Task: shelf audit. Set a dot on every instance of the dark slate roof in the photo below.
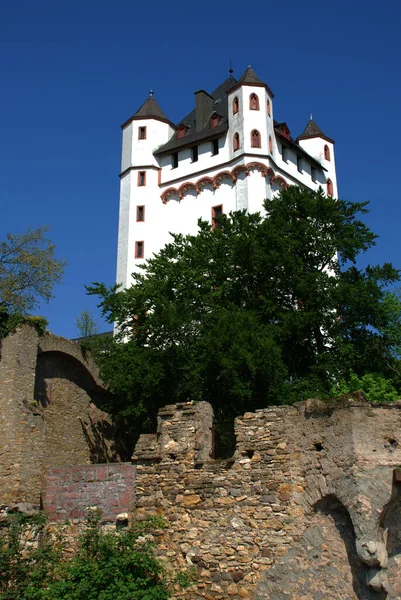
(291, 143)
(313, 130)
(249, 76)
(149, 109)
(220, 106)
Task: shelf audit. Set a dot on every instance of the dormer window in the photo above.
(285, 131)
(253, 102)
(255, 139)
(236, 142)
(174, 160)
(181, 131)
(326, 152)
(235, 105)
(214, 120)
(194, 153)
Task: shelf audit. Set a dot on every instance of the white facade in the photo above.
(166, 185)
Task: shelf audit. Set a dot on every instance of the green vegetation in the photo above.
(106, 566)
(262, 310)
(86, 324)
(28, 270)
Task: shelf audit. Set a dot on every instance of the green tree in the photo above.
(106, 566)
(264, 309)
(86, 324)
(28, 270)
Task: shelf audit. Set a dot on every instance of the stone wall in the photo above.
(71, 490)
(307, 508)
(50, 412)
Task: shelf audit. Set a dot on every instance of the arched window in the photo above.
(214, 120)
(235, 105)
(236, 142)
(269, 108)
(270, 144)
(255, 139)
(253, 102)
(329, 184)
(326, 152)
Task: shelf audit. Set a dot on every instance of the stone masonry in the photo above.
(50, 412)
(308, 508)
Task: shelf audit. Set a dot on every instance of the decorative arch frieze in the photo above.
(280, 180)
(167, 193)
(200, 184)
(217, 179)
(185, 187)
(264, 170)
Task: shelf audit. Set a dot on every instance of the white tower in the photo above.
(139, 186)
(321, 147)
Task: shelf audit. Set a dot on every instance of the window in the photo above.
(217, 211)
(181, 132)
(194, 153)
(174, 160)
(141, 178)
(270, 144)
(214, 120)
(329, 184)
(269, 108)
(313, 173)
(236, 142)
(139, 249)
(235, 105)
(284, 153)
(299, 164)
(141, 133)
(326, 152)
(253, 102)
(255, 139)
(215, 147)
(140, 213)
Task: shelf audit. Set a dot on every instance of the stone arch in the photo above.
(71, 398)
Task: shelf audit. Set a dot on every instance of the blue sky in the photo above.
(72, 71)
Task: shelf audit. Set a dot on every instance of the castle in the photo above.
(227, 154)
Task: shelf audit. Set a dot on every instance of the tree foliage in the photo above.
(106, 566)
(260, 310)
(28, 270)
(86, 324)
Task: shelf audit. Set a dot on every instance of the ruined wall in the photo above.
(71, 490)
(50, 412)
(307, 508)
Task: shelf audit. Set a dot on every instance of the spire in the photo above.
(313, 130)
(249, 76)
(150, 108)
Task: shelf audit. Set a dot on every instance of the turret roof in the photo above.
(150, 109)
(249, 76)
(313, 130)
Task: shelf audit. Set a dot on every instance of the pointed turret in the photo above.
(313, 130)
(150, 109)
(249, 76)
